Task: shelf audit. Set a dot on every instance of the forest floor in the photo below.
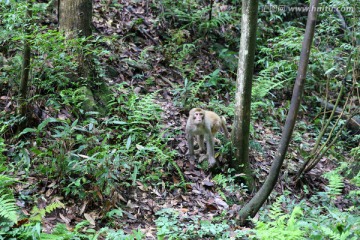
(200, 198)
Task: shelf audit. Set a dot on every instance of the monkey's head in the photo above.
(197, 115)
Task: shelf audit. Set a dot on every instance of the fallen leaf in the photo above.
(221, 203)
(89, 218)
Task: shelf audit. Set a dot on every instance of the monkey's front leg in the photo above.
(210, 150)
(200, 140)
(190, 141)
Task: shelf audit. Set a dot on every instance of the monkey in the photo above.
(203, 123)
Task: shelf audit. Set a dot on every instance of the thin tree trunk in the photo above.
(354, 121)
(241, 127)
(211, 8)
(25, 64)
(252, 207)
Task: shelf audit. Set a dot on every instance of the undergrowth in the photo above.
(89, 155)
(314, 218)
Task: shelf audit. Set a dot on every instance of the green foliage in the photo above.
(54, 63)
(38, 214)
(279, 62)
(62, 232)
(186, 95)
(193, 15)
(171, 224)
(227, 56)
(219, 83)
(2, 149)
(190, 93)
(355, 152)
(336, 183)
(3, 166)
(281, 225)
(221, 19)
(178, 56)
(9, 214)
(92, 154)
(112, 234)
(8, 209)
(316, 218)
(229, 183)
(6, 181)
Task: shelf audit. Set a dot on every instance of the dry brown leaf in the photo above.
(89, 218)
(221, 203)
(65, 219)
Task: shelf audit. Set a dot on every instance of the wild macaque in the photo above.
(206, 124)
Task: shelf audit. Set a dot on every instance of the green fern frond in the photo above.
(276, 211)
(336, 183)
(295, 214)
(8, 208)
(282, 225)
(38, 214)
(6, 180)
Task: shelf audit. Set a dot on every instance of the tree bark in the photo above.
(241, 126)
(252, 207)
(75, 21)
(75, 17)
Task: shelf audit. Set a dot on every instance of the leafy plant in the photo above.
(192, 15)
(8, 209)
(281, 225)
(336, 183)
(315, 218)
(170, 225)
(228, 181)
(186, 93)
(9, 214)
(38, 214)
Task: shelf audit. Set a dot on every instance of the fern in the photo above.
(6, 180)
(276, 211)
(38, 214)
(222, 18)
(336, 183)
(2, 149)
(274, 76)
(282, 225)
(8, 208)
(335, 235)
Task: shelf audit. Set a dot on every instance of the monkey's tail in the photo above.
(223, 125)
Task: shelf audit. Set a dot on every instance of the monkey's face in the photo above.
(198, 117)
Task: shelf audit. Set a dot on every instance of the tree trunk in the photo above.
(241, 127)
(75, 17)
(252, 207)
(75, 21)
(25, 64)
